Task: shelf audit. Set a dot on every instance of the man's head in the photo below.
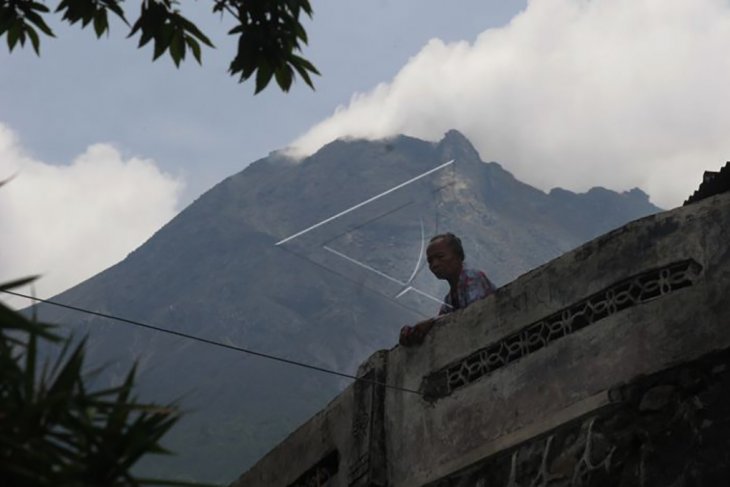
(445, 256)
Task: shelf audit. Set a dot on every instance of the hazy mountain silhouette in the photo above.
(327, 297)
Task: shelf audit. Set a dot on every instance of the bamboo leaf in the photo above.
(195, 48)
(263, 76)
(101, 23)
(177, 47)
(14, 33)
(38, 21)
(34, 40)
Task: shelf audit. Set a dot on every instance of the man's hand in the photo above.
(414, 335)
(406, 335)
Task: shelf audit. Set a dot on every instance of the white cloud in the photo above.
(571, 93)
(70, 222)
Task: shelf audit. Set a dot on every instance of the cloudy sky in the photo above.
(106, 146)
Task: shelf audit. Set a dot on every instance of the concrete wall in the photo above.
(670, 428)
(545, 351)
(342, 445)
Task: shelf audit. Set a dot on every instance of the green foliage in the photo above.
(172, 32)
(19, 21)
(54, 430)
(87, 11)
(269, 32)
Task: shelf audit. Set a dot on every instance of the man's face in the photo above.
(443, 261)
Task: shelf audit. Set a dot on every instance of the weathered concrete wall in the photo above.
(671, 428)
(544, 352)
(342, 445)
(312, 454)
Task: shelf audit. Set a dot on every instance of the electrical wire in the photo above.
(209, 342)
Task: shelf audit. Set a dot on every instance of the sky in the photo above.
(105, 146)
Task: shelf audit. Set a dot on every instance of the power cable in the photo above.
(209, 342)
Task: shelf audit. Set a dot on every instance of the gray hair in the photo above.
(452, 241)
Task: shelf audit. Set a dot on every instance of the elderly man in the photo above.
(446, 261)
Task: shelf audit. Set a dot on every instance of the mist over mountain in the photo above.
(259, 262)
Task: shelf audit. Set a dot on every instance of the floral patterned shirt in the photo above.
(473, 285)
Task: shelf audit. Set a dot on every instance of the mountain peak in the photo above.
(454, 145)
(637, 194)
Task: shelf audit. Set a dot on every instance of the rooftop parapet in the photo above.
(713, 182)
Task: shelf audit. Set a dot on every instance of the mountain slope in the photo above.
(330, 296)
